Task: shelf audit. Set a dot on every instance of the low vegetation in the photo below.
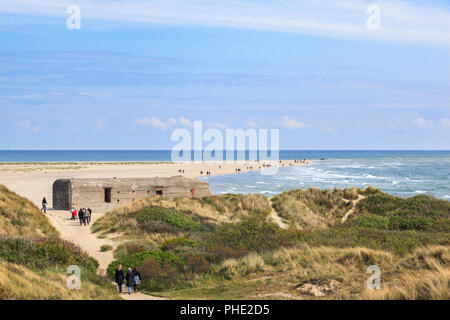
(227, 247)
(19, 217)
(314, 208)
(34, 261)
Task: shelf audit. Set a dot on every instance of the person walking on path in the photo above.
(137, 278)
(130, 280)
(87, 216)
(90, 214)
(74, 214)
(119, 278)
(81, 217)
(44, 205)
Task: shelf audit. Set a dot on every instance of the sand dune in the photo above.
(34, 181)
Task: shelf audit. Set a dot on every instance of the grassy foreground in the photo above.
(228, 247)
(33, 260)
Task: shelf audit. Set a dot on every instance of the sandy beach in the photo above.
(35, 180)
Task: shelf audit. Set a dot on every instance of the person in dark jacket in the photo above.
(119, 278)
(81, 217)
(89, 215)
(44, 205)
(130, 280)
(137, 278)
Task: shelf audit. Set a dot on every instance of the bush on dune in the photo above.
(252, 234)
(45, 253)
(210, 210)
(136, 260)
(171, 217)
(398, 242)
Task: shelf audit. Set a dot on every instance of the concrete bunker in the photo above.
(109, 193)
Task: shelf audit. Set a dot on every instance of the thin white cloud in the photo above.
(445, 122)
(400, 20)
(292, 124)
(37, 129)
(157, 123)
(421, 122)
(28, 126)
(185, 122)
(153, 122)
(101, 124)
(251, 123)
(217, 125)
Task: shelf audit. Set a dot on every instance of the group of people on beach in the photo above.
(84, 215)
(132, 277)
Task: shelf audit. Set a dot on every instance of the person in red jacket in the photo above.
(74, 214)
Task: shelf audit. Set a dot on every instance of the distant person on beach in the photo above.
(81, 217)
(87, 216)
(44, 205)
(74, 214)
(130, 280)
(119, 278)
(137, 278)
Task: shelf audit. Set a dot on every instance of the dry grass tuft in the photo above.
(21, 283)
(19, 217)
(212, 209)
(314, 208)
(424, 274)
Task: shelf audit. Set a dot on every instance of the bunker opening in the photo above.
(159, 190)
(108, 195)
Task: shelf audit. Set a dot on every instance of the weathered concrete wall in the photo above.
(62, 194)
(91, 192)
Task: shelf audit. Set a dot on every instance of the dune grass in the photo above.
(314, 208)
(290, 273)
(227, 247)
(33, 259)
(212, 210)
(18, 282)
(20, 217)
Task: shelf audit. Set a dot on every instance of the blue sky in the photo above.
(136, 70)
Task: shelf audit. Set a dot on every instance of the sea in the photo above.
(402, 173)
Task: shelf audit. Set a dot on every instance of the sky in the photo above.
(137, 70)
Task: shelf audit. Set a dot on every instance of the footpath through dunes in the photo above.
(275, 217)
(32, 253)
(83, 236)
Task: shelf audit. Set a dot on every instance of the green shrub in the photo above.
(380, 203)
(155, 226)
(252, 235)
(396, 241)
(136, 260)
(44, 253)
(169, 216)
(217, 253)
(195, 263)
(159, 275)
(174, 243)
(410, 223)
(373, 221)
(106, 247)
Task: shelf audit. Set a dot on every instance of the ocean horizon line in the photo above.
(247, 150)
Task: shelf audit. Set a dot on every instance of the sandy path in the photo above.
(350, 212)
(82, 236)
(274, 215)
